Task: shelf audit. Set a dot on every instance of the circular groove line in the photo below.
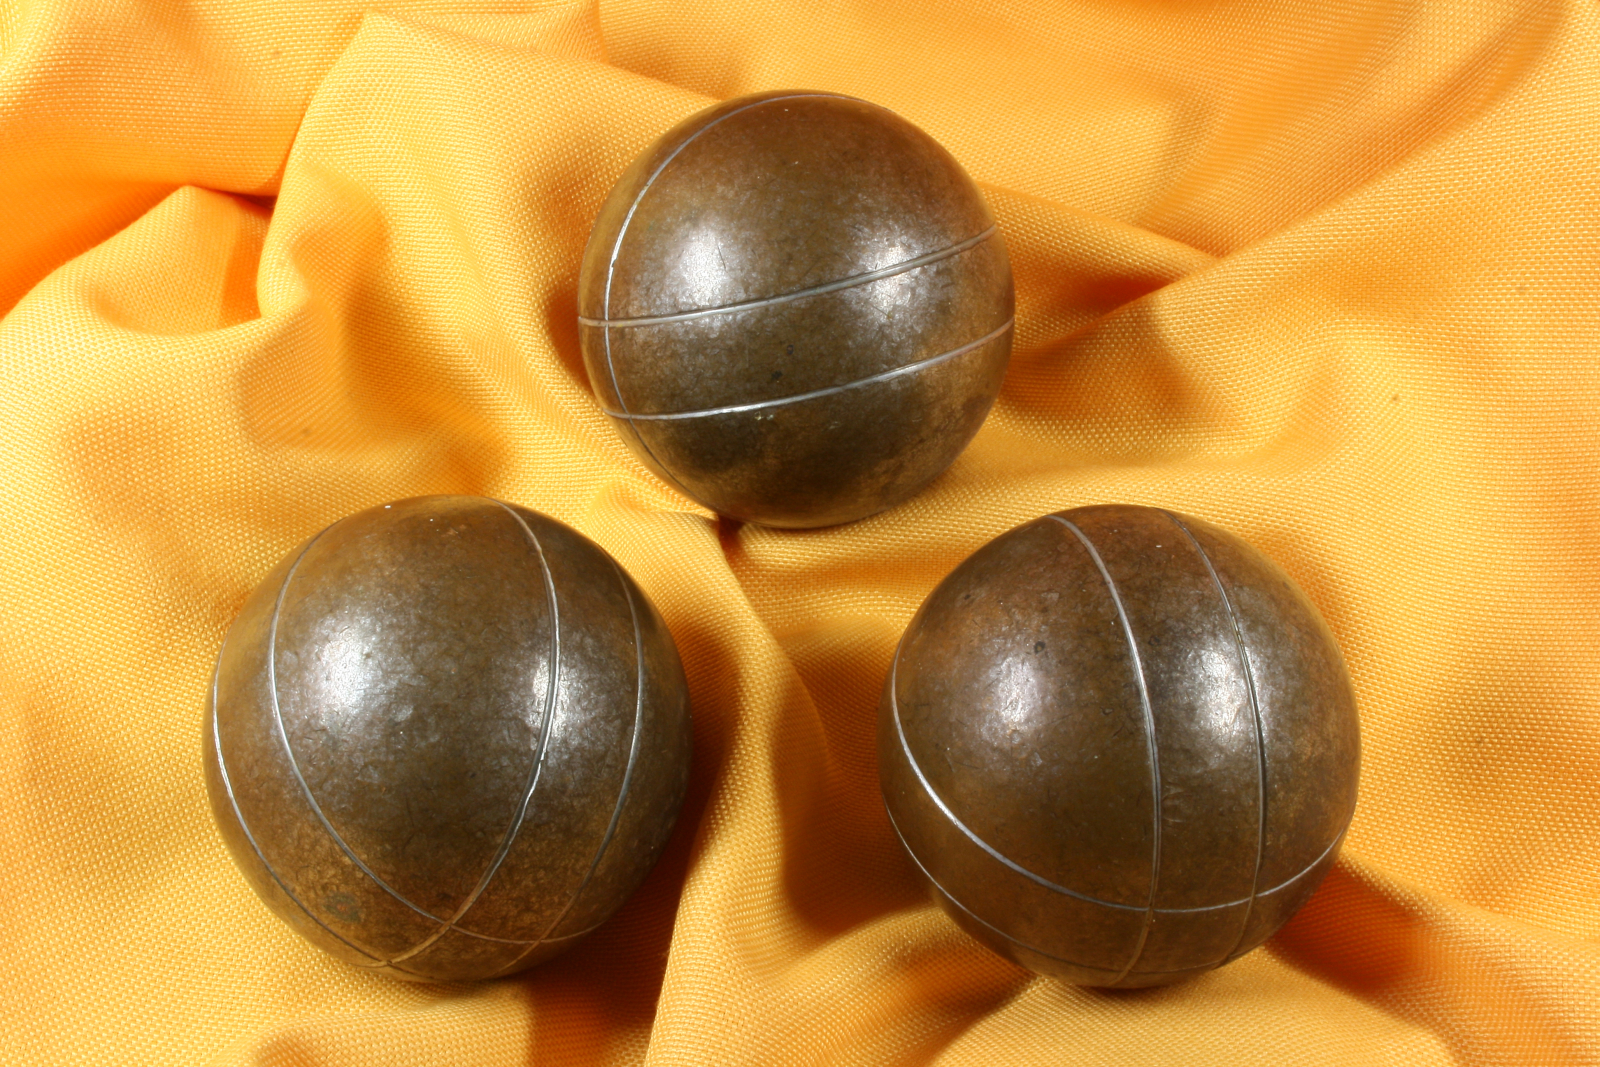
(616, 250)
(905, 266)
(551, 687)
(871, 379)
(233, 802)
(283, 734)
(272, 688)
(971, 835)
(1150, 744)
(989, 925)
(622, 793)
(1049, 955)
(272, 678)
(1255, 711)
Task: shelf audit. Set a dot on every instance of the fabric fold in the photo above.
(1323, 277)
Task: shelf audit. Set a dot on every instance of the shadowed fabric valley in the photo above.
(1320, 275)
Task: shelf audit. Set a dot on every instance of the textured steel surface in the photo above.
(796, 307)
(447, 738)
(1120, 744)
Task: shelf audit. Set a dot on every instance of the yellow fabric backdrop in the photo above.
(1326, 273)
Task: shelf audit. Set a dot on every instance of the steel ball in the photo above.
(447, 738)
(796, 307)
(1120, 745)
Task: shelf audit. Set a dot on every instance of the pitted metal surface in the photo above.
(447, 738)
(1120, 744)
(797, 308)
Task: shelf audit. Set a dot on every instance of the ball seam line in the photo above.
(294, 764)
(616, 250)
(1163, 911)
(971, 835)
(933, 795)
(872, 379)
(272, 685)
(622, 793)
(551, 688)
(978, 918)
(1332, 847)
(1150, 742)
(1255, 711)
(288, 749)
(238, 815)
(854, 280)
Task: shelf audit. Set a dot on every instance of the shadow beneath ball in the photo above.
(842, 864)
(560, 314)
(1147, 994)
(604, 992)
(1369, 945)
(728, 537)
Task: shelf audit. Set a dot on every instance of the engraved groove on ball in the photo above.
(1156, 625)
(903, 267)
(622, 232)
(233, 802)
(933, 795)
(622, 792)
(287, 850)
(1255, 711)
(871, 379)
(551, 688)
(1150, 743)
(294, 765)
(288, 749)
(971, 835)
(986, 923)
(754, 252)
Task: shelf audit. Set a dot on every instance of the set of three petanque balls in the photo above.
(449, 736)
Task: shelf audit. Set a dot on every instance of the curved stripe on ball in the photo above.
(1039, 598)
(758, 405)
(233, 802)
(616, 248)
(799, 294)
(796, 307)
(638, 735)
(1261, 745)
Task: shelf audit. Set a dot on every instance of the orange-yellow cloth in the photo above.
(1326, 272)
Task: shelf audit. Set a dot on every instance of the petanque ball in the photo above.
(447, 738)
(1120, 745)
(796, 308)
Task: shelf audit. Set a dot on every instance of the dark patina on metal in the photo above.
(1121, 745)
(447, 738)
(796, 307)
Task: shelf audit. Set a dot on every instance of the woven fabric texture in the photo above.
(1326, 274)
